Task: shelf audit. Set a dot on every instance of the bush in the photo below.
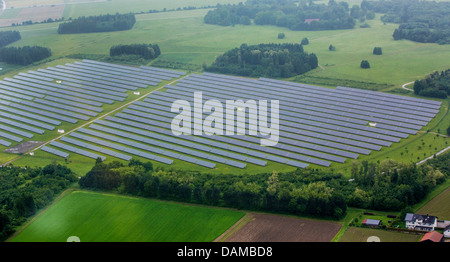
(377, 51)
(305, 41)
(281, 36)
(365, 64)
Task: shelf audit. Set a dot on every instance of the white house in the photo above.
(447, 231)
(420, 222)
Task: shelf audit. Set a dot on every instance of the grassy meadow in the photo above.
(114, 218)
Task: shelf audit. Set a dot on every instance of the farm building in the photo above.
(420, 222)
(432, 236)
(371, 222)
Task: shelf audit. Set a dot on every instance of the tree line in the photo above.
(24, 55)
(269, 60)
(295, 15)
(8, 37)
(25, 190)
(100, 23)
(419, 21)
(146, 51)
(435, 85)
(387, 185)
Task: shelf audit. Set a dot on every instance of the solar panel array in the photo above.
(34, 102)
(317, 125)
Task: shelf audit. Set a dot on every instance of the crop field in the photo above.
(126, 219)
(273, 228)
(435, 206)
(35, 14)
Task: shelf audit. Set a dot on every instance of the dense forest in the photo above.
(146, 51)
(24, 55)
(295, 15)
(8, 37)
(269, 60)
(434, 85)
(420, 21)
(25, 190)
(387, 185)
(101, 23)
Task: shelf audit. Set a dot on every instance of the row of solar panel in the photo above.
(133, 127)
(90, 77)
(91, 89)
(300, 99)
(328, 94)
(311, 107)
(308, 126)
(39, 76)
(77, 150)
(362, 93)
(200, 80)
(125, 119)
(177, 93)
(147, 148)
(142, 69)
(120, 72)
(55, 151)
(159, 142)
(111, 76)
(309, 131)
(141, 118)
(285, 137)
(330, 124)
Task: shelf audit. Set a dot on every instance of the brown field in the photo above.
(439, 206)
(35, 14)
(358, 234)
(274, 228)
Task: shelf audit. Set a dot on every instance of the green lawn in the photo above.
(358, 234)
(96, 217)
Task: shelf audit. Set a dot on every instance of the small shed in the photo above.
(371, 222)
(61, 131)
(137, 93)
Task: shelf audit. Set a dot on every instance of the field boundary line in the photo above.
(248, 217)
(93, 120)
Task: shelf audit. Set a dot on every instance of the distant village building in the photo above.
(432, 236)
(308, 21)
(420, 222)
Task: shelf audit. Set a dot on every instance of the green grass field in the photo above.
(357, 234)
(96, 217)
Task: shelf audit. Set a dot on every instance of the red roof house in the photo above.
(432, 236)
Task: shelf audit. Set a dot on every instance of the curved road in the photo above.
(404, 86)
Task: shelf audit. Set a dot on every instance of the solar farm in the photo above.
(317, 126)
